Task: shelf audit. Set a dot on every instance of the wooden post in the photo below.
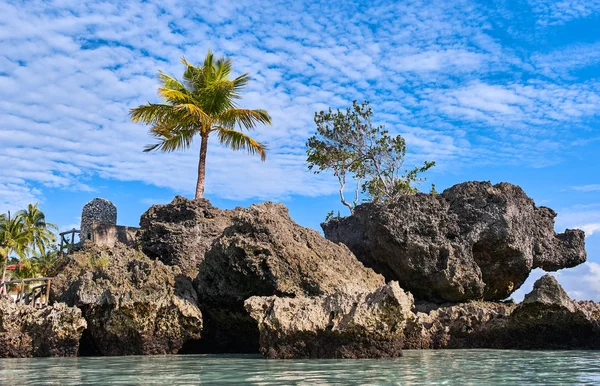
(48, 292)
(22, 291)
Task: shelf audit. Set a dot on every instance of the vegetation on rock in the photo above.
(349, 145)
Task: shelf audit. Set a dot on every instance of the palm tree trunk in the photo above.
(4, 274)
(201, 167)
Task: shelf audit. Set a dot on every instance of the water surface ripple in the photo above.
(443, 367)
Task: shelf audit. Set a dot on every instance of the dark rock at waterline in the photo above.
(546, 319)
(341, 325)
(263, 253)
(132, 305)
(181, 232)
(26, 331)
(473, 241)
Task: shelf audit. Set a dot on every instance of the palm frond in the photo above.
(171, 82)
(201, 117)
(170, 138)
(150, 113)
(240, 83)
(244, 118)
(236, 140)
(223, 68)
(174, 97)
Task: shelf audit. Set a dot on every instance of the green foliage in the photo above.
(203, 103)
(98, 262)
(329, 216)
(348, 145)
(26, 234)
(433, 191)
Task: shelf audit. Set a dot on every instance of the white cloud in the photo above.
(589, 229)
(557, 12)
(588, 188)
(16, 196)
(69, 72)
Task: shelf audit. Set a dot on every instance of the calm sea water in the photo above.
(448, 367)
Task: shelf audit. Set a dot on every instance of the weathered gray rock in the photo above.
(458, 326)
(132, 305)
(547, 292)
(546, 319)
(181, 232)
(342, 325)
(263, 253)
(473, 241)
(26, 331)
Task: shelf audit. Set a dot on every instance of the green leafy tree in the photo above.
(27, 232)
(202, 104)
(348, 145)
(15, 238)
(46, 259)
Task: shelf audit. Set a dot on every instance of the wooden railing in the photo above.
(38, 296)
(68, 245)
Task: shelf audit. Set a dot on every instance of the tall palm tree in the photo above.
(204, 103)
(35, 221)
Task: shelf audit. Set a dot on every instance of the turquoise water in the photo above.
(444, 367)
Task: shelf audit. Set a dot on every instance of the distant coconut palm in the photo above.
(202, 104)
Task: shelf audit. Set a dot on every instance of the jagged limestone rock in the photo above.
(132, 305)
(181, 232)
(263, 253)
(341, 325)
(26, 331)
(546, 319)
(474, 241)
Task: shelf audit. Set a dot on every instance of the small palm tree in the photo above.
(204, 103)
(14, 238)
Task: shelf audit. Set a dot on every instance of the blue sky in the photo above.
(490, 90)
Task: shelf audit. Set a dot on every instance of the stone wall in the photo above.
(107, 235)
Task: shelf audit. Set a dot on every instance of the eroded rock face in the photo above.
(181, 232)
(342, 325)
(462, 325)
(263, 253)
(132, 305)
(26, 331)
(546, 319)
(473, 241)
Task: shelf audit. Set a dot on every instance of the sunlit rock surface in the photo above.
(474, 241)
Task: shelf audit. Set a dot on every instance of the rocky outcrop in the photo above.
(462, 325)
(342, 325)
(473, 241)
(264, 253)
(181, 232)
(132, 305)
(26, 331)
(546, 319)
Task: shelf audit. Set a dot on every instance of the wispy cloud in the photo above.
(587, 188)
(434, 71)
(553, 12)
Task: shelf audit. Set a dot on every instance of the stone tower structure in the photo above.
(97, 211)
